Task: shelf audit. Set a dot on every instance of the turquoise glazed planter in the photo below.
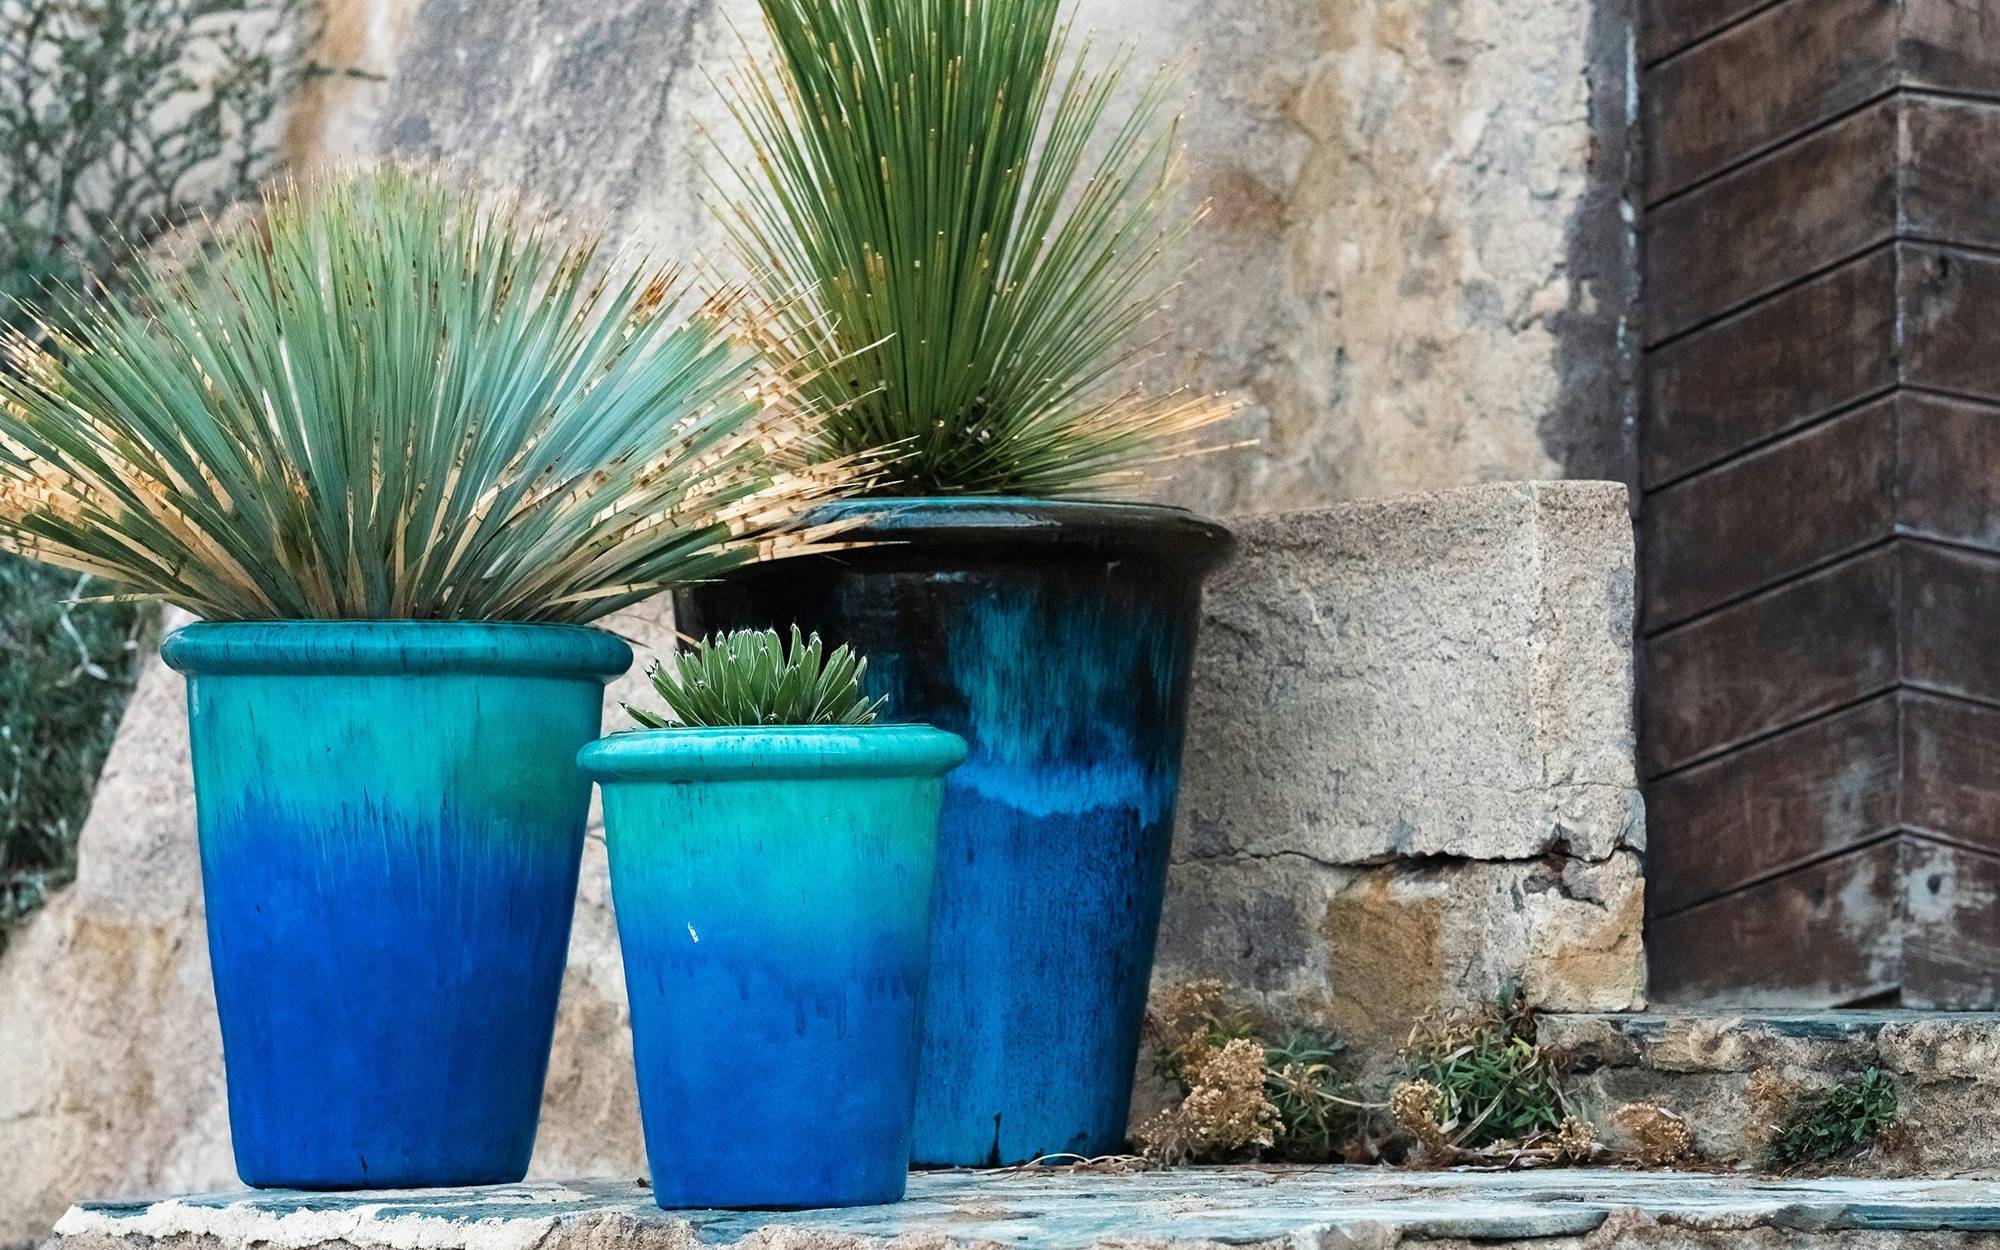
(773, 889)
(390, 822)
(1057, 639)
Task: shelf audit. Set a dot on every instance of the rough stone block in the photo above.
(1730, 1075)
(1437, 675)
(1409, 773)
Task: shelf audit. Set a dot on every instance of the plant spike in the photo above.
(982, 245)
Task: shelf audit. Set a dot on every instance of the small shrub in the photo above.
(63, 682)
(1824, 1125)
(1317, 1110)
(750, 678)
(1484, 1087)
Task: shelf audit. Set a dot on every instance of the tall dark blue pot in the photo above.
(1056, 638)
(390, 822)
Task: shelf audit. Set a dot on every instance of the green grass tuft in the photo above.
(1824, 1125)
(751, 678)
(1489, 1081)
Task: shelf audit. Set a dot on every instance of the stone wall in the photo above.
(1416, 268)
(1409, 777)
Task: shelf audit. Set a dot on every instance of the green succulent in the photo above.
(750, 677)
(387, 400)
(980, 238)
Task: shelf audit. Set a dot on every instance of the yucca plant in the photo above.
(387, 399)
(982, 235)
(750, 677)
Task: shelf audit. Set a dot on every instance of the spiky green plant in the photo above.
(1489, 1080)
(981, 234)
(389, 401)
(750, 677)
(1834, 1123)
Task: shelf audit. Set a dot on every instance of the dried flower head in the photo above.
(1575, 1141)
(1422, 1109)
(1225, 1110)
(1659, 1137)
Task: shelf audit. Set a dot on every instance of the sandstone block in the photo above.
(1438, 675)
(1409, 778)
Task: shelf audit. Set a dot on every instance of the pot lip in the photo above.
(1123, 526)
(362, 648)
(772, 753)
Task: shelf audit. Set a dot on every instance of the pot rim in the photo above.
(365, 648)
(772, 753)
(1120, 528)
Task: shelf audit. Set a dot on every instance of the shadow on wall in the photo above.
(1592, 431)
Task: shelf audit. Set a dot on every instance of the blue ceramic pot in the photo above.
(1057, 639)
(391, 821)
(773, 889)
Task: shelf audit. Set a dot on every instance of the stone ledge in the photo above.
(1320, 1208)
(1728, 1072)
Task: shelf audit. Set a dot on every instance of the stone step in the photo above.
(1308, 1209)
(1731, 1074)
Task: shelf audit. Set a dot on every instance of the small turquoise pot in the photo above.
(390, 824)
(773, 889)
(1057, 638)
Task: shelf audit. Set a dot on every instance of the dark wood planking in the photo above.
(1802, 208)
(1948, 44)
(1815, 937)
(1949, 300)
(1951, 938)
(1768, 78)
(1667, 26)
(1815, 348)
(1769, 662)
(1948, 487)
(1951, 173)
(1953, 45)
(1951, 770)
(1774, 805)
(1950, 620)
(1758, 766)
(1770, 514)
